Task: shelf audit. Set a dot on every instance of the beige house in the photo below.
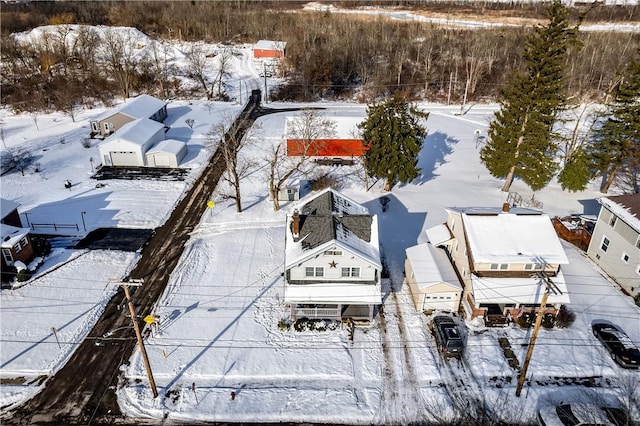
(432, 279)
(332, 259)
(615, 243)
(143, 106)
(504, 257)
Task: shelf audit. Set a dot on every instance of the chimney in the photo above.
(295, 228)
(505, 207)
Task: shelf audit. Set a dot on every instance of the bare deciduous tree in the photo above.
(118, 48)
(306, 130)
(237, 167)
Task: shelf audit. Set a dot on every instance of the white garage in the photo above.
(127, 147)
(166, 153)
(433, 282)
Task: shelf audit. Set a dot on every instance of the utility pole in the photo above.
(549, 286)
(266, 93)
(125, 285)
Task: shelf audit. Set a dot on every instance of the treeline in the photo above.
(328, 54)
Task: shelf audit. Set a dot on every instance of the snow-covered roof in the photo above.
(333, 293)
(346, 127)
(517, 290)
(137, 131)
(11, 235)
(6, 207)
(143, 106)
(626, 207)
(438, 234)
(513, 238)
(431, 266)
(171, 146)
(270, 44)
(328, 217)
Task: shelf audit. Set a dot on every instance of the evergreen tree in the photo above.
(393, 137)
(575, 174)
(615, 146)
(521, 138)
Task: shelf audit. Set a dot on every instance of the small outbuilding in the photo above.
(345, 143)
(432, 279)
(166, 153)
(128, 146)
(143, 106)
(269, 49)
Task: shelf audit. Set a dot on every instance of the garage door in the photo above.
(440, 302)
(121, 158)
(161, 160)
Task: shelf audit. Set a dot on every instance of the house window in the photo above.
(533, 266)
(95, 127)
(6, 254)
(638, 242)
(453, 225)
(638, 270)
(625, 257)
(350, 272)
(605, 244)
(500, 266)
(456, 247)
(24, 242)
(311, 271)
(613, 220)
(333, 253)
(17, 248)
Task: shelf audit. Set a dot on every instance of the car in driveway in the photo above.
(447, 335)
(623, 351)
(582, 414)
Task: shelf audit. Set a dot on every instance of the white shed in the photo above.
(433, 281)
(128, 146)
(166, 153)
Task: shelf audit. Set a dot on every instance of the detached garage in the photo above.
(127, 147)
(433, 281)
(166, 153)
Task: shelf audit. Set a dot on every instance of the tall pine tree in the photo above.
(393, 137)
(615, 146)
(521, 138)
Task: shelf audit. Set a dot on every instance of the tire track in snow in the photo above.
(401, 398)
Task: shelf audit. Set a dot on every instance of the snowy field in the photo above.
(219, 316)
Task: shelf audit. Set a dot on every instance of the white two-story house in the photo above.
(332, 259)
(504, 258)
(615, 243)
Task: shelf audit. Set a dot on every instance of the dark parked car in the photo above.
(582, 414)
(447, 336)
(619, 345)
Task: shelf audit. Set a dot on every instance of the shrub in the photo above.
(324, 181)
(23, 275)
(283, 324)
(306, 324)
(637, 299)
(565, 317)
(86, 142)
(548, 320)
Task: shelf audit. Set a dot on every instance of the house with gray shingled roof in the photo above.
(332, 259)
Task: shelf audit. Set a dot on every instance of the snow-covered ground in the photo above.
(219, 317)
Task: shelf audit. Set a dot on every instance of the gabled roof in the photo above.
(328, 217)
(270, 44)
(137, 131)
(6, 207)
(10, 235)
(431, 266)
(143, 106)
(626, 207)
(512, 237)
(438, 234)
(171, 146)
(346, 127)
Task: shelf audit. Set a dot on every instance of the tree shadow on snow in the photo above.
(398, 229)
(432, 155)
